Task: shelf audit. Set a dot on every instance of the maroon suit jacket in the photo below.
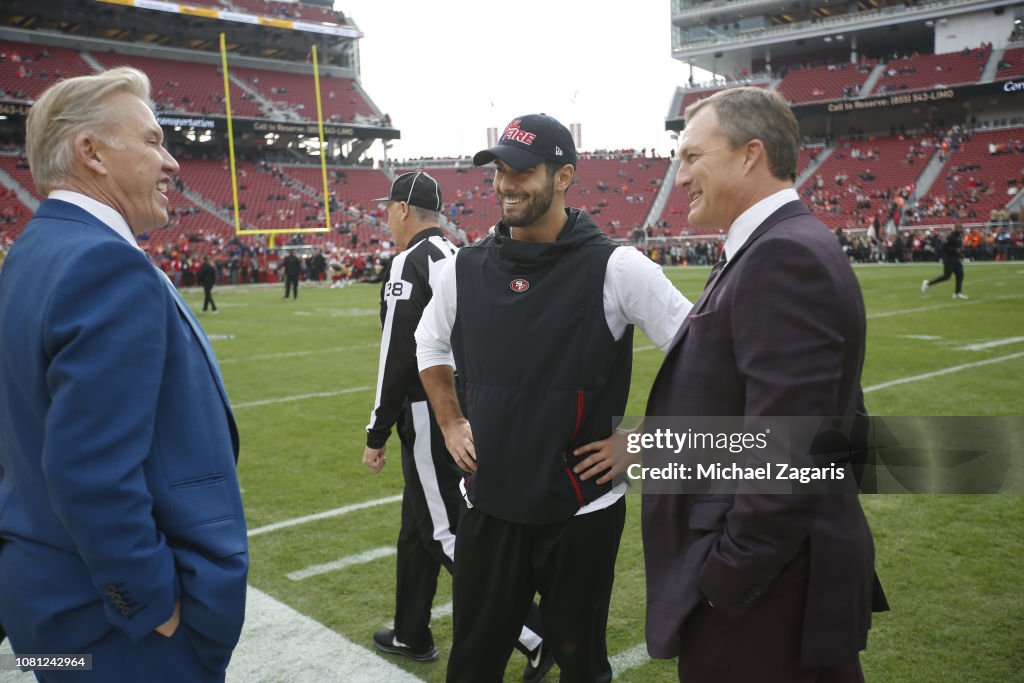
(779, 333)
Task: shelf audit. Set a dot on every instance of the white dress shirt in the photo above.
(745, 225)
(103, 213)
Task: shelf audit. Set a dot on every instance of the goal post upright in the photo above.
(273, 232)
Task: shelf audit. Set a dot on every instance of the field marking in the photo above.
(939, 307)
(294, 354)
(630, 659)
(944, 371)
(300, 397)
(15, 675)
(990, 345)
(921, 337)
(327, 514)
(343, 563)
(281, 645)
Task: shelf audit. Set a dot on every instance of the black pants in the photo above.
(291, 284)
(208, 298)
(431, 502)
(501, 564)
(951, 267)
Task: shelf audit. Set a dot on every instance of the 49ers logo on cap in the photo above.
(519, 285)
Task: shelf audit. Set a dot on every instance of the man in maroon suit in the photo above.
(749, 587)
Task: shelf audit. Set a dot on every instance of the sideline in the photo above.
(281, 645)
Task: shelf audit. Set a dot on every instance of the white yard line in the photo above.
(280, 645)
(939, 307)
(990, 345)
(944, 371)
(300, 397)
(326, 514)
(294, 354)
(343, 563)
(630, 659)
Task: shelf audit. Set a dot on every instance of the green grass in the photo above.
(952, 565)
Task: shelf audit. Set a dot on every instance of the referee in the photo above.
(431, 498)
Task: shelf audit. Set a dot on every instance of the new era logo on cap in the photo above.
(530, 140)
(415, 188)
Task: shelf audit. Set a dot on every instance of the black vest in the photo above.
(541, 372)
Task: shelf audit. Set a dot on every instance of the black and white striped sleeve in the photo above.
(405, 294)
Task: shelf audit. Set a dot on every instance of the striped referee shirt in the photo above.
(405, 292)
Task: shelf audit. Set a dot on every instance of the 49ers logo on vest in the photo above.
(519, 285)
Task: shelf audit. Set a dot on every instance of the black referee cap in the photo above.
(415, 188)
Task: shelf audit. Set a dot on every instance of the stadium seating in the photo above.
(617, 192)
(1014, 58)
(27, 70)
(975, 178)
(185, 87)
(470, 190)
(930, 71)
(341, 99)
(822, 83)
(874, 168)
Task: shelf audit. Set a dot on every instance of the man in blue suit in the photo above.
(122, 533)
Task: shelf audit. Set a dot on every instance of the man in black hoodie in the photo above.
(538, 319)
(952, 263)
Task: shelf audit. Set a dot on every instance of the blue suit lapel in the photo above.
(200, 336)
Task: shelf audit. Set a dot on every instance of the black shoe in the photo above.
(386, 641)
(538, 663)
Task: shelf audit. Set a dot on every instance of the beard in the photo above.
(530, 210)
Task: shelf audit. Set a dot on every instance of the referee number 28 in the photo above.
(398, 289)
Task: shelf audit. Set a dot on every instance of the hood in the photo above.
(579, 230)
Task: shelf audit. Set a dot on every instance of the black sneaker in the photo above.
(386, 641)
(538, 663)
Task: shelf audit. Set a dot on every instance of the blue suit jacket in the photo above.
(118, 490)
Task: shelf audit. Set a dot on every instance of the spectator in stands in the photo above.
(122, 532)
(952, 263)
(543, 512)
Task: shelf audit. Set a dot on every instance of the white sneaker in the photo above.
(924, 287)
(959, 295)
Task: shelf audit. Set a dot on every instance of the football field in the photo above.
(301, 376)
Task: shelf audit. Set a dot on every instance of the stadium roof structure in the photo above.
(728, 36)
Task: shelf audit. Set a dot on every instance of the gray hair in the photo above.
(746, 114)
(425, 215)
(68, 109)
